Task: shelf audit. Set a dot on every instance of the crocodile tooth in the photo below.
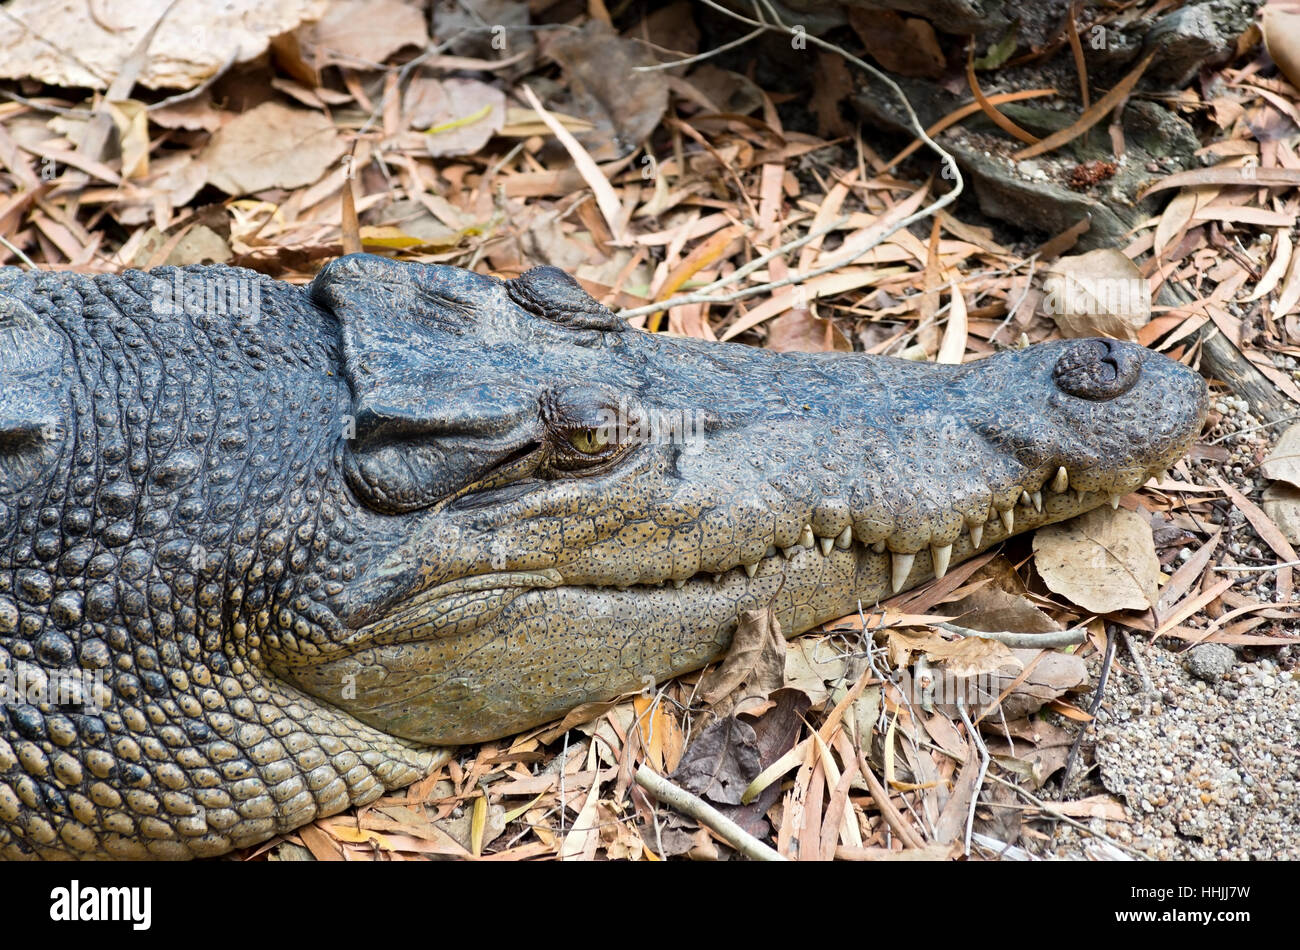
(845, 539)
(1025, 499)
(826, 545)
(1008, 519)
(806, 536)
(1114, 501)
(790, 552)
(902, 565)
(1061, 481)
(751, 569)
(679, 584)
(940, 556)
(976, 535)
(771, 551)
(879, 547)
(717, 578)
(1037, 498)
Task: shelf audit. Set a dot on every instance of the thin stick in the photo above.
(1148, 688)
(983, 773)
(17, 252)
(706, 814)
(1096, 704)
(1023, 641)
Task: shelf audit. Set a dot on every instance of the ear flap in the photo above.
(32, 422)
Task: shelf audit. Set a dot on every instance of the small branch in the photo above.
(17, 252)
(1023, 641)
(1109, 658)
(984, 770)
(1254, 570)
(1148, 688)
(703, 812)
(702, 56)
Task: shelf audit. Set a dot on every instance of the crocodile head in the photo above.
(259, 545)
(560, 508)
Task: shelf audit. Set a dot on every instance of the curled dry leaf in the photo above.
(1281, 29)
(624, 106)
(721, 763)
(753, 667)
(1100, 293)
(1103, 561)
(273, 146)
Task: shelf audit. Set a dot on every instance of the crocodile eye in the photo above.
(590, 441)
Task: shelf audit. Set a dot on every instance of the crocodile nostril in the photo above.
(1097, 369)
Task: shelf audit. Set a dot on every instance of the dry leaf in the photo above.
(1282, 504)
(457, 116)
(1103, 561)
(815, 667)
(1100, 293)
(721, 763)
(904, 45)
(991, 608)
(273, 146)
(798, 330)
(192, 43)
(367, 30)
(1283, 463)
(1282, 36)
(753, 667)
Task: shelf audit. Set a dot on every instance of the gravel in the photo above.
(1210, 661)
(1207, 770)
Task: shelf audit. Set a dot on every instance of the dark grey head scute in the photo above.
(550, 293)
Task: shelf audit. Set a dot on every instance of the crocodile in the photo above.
(265, 549)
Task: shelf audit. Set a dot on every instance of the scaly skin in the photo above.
(305, 540)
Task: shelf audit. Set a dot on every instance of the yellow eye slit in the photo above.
(589, 441)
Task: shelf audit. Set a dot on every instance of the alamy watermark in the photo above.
(26, 685)
(684, 427)
(1083, 295)
(209, 295)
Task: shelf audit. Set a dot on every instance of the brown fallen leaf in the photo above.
(1103, 561)
(1282, 504)
(192, 43)
(457, 116)
(366, 30)
(721, 762)
(1101, 293)
(991, 608)
(904, 45)
(272, 146)
(753, 667)
(1281, 30)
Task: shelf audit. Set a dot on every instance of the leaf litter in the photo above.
(579, 143)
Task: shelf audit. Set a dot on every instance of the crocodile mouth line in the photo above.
(452, 607)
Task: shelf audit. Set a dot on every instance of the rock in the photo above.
(1210, 661)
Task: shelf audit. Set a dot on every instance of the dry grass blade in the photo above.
(990, 110)
(1091, 116)
(606, 199)
(964, 112)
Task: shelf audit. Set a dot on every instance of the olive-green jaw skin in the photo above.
(300, 535)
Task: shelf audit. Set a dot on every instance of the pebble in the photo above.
(1210, 661)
